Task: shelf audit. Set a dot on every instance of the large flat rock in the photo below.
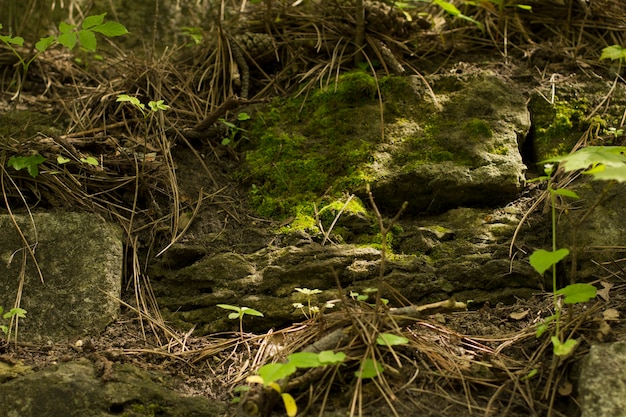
(72, 285)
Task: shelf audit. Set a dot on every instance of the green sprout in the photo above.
(238, 313)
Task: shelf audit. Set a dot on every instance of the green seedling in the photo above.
(14, 312)
(367, 293)
(607, 163)
(233, 128)
(153, 106)
(273, 375)
(453, 11)
(311, 311)
(69, 36)
(195, 33)
(31, 163)
(238, 313)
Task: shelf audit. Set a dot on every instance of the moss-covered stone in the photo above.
(556, 126)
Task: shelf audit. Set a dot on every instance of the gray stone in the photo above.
(73, 288)
(464, 153)
(602, 381)
(74, 389)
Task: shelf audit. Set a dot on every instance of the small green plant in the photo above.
(195, 33)
(14, 312)
(238, 313)
(31, 163)
(606, 163)
(275, 375)
(614, 53)
(154, 106)
(233, 128)
(311, 310)
(69, 36)
(368, 292)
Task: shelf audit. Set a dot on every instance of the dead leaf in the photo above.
(610, 314)
(566, 388)
(604, 292)
(603, 330)
(519, 314)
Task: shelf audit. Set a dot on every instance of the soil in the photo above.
(483, 362)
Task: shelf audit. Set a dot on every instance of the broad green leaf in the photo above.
(611, 156)
(276, 371)
(390, 339)
(542, 259)
(448, 7)
(566, 193)
(562, 349)
(613, 52)
(369, 369)
(602, 172)
(329, 357)
(244, 116)
(16, 311)
(44, 43)
(18, 40)
(4, 329)
(577, 293)
(31, 163)
(290, 404)
(65, 28)
(234, 316)
(304, 359)
(62, 160)
(229, 307)
(251, 311)
(90, 160)
(91, 21)
(88, 40)
(111, 29)
(67, 39)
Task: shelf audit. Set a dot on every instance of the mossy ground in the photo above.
(313, 145)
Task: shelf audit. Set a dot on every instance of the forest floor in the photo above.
(456, 364)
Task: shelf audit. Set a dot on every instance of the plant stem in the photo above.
(557, 309)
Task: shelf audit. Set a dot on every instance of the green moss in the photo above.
(477, 130)
(557, 127)
(303, 149)
(137, 410)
